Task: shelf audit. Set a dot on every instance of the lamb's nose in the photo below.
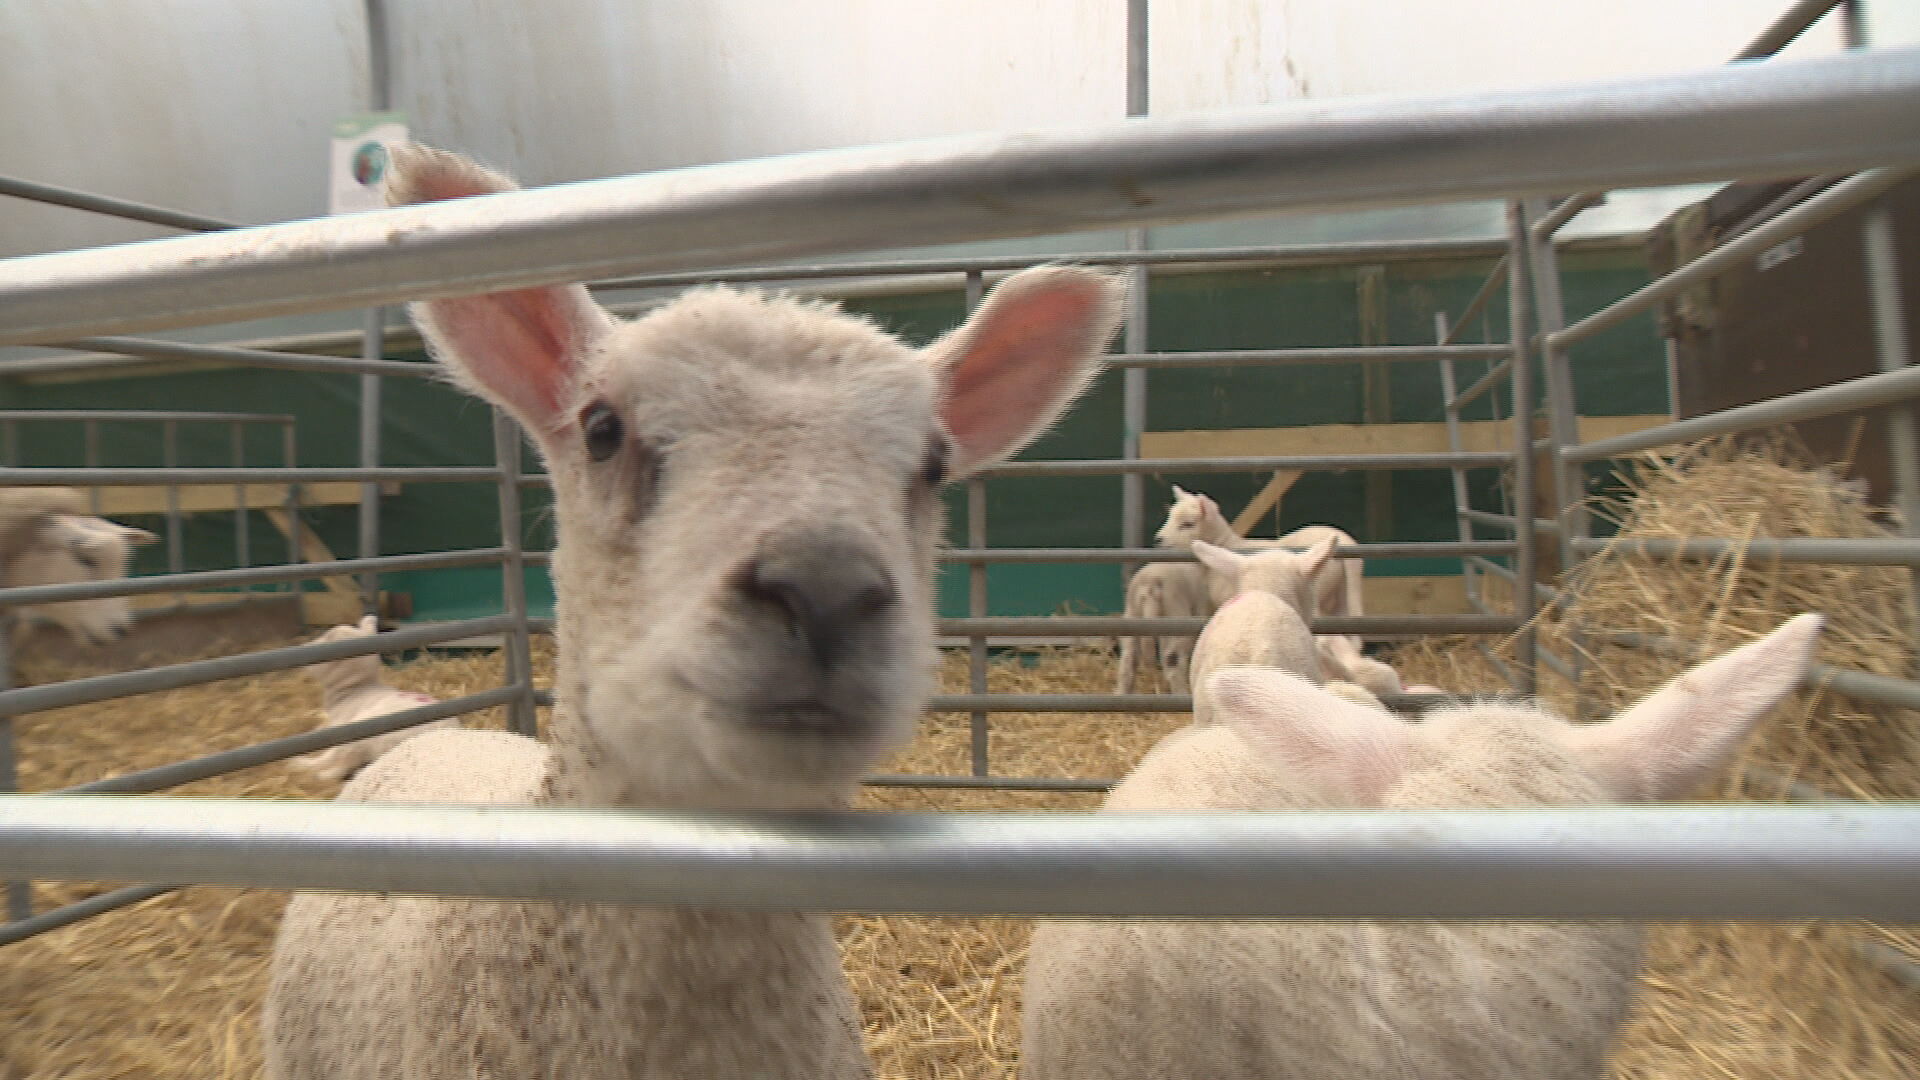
(827, 590)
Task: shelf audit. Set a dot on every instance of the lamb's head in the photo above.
(747, 498)
(72, 548)
(1193, 516)
(339, 676)
(1286, 574)
(1483, 755)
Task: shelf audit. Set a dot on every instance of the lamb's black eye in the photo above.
(602, 429)
(933, 472)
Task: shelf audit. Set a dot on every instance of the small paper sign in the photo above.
(360, 160)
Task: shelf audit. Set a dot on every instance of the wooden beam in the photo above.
(1267, 498)
(212, 498)
(313, 549)
(1415, 438)
(1418, 595)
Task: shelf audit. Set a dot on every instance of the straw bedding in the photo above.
(172, 987)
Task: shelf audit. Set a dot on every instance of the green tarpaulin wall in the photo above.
(427, 423)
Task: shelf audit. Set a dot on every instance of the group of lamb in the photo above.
(1256, 578)
(747, 501)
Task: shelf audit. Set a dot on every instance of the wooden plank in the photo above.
(1412, 438)
(1267, 498)
(313, 549)
(1418, 595)
(210, 498)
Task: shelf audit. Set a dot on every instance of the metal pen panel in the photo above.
(1827, 860)
(110, 206)
(1826, 115)
(1357, 354)
(1865, 392)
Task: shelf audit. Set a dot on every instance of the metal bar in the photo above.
(1853, 24)
(1828, 204)
(242, 542)
(1481, 298)
(1484, 383)
(1892, 352)
(1098, 467)
(1117, 703)
(987, 783)
(1727, 861)
(1780, 204)
(89, 457)
(1106, 626)
(170, 460)
(1790, 25)
(1527, 559)
(248, 757)
(23, 928)
(1411, 550)
(19, 893)
(1848, 551)
(372, 350)
(1863, 685)
(978, 734)
(1293, 256)
(89, 415)
(1500, 667)
(1865, 392)
(31, 699)
(1273, 357)
(110, 206)
(22, 596)
(1133, 380)
(216, 354)
(1543, 592)
(1831, 114)
(1507, 521)
(1563, 429)
(513, 583)
(1451, 411)
(429, 474)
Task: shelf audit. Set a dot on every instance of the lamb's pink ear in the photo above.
(1179, 493)
(137, 537)
(521, 348)
(1226, 563)
(369, 624)
(1344, 748)
(1008, 372)
(1664, 746)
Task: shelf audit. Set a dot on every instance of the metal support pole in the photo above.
(979, 735)
(1563, 425)
(90, 457)
(242, 543)
(1893, 352)
(1853, 24)
(19, 893)
(371, 347)
(1526, 562)
(513, 583)
(176, 538)
(1133, 381)
(1461, 501)
(373, 342)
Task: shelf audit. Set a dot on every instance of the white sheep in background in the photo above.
(1337, 588)
(1263, 622)
(48, 538)
(1165, 590)
(747, 503)
(352, 690)
(1456, 1000)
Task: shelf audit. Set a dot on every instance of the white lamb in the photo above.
(1456, 1000)
(1264, 622)
(1166, 590)
(747, 501)
(1338, 589)
(48, 538)
(1341, 658)
(352, 690)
